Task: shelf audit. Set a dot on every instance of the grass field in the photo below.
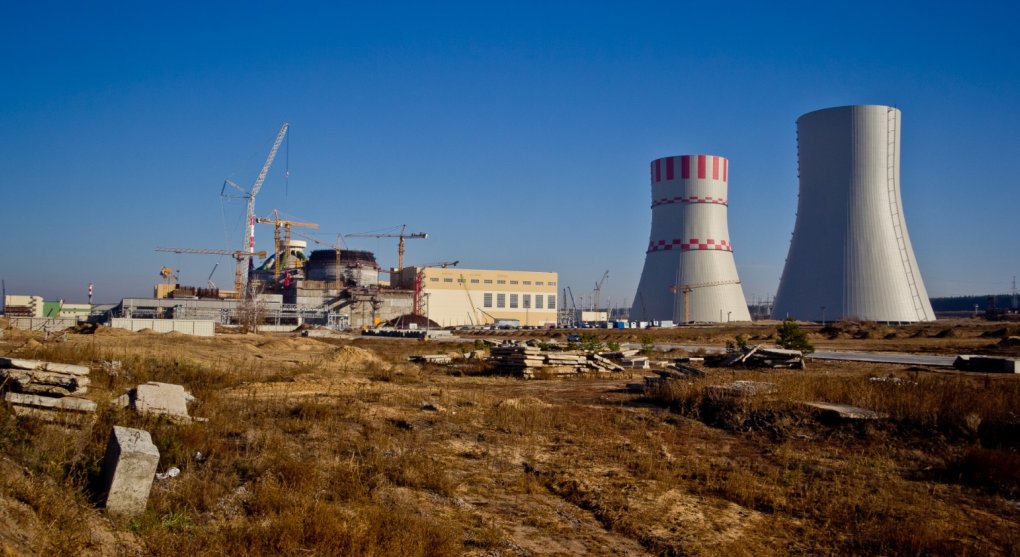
(342, 447)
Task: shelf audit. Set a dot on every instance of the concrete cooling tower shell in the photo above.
(850, 256)
(689, 248)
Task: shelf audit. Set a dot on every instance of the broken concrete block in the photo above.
(128, 469)
(29, 365)
(162, 399)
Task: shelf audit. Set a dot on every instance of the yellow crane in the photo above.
(400, 246)
(280, 257)
(239, 256)
(686, 290)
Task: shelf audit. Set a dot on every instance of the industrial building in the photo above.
(851, 256)
(689, 273)
(451, 296)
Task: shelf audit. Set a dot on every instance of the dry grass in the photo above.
(342, 448)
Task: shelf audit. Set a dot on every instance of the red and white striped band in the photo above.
(689, 245)
(703, 167)
(695, 199)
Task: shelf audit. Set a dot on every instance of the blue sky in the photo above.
(518, 135)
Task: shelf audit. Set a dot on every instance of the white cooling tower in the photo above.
(689, 273)
(850, 256)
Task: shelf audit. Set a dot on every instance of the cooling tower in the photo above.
(850, 256)
(689, 273)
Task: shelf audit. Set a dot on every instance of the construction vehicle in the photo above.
(686, 290)
(239, 256)
(249, 234)
(400, 245)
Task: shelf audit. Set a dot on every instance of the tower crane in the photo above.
(249, 221)
(686, 289)
(279, 260)
(239, 256)
(598, 289)
(400, 245)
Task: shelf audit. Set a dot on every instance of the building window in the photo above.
(552, 283)
(527, 301)
(513, 301)
(488, 281)
(501, 300)
(474, 281)
(538, 301)
(500, 281)
(434, 279)
(539, 283)
(447, 279)
(487, 299)
(552, 301)
(460, 281)
(513, 282)
(527, 282)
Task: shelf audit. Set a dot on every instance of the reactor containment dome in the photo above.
(850, 256)
(689, 273)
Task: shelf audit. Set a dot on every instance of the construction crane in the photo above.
(400, 245)
(686, 289)
(598, 289)
(419, 284)
(279, 259)
(249, 221)
(474, 308)
(575, 316)
(239, 256)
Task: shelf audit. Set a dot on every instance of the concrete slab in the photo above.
(128, 469)
(67, 403)
(845, 411)
(162, 399)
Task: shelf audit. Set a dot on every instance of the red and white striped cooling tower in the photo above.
(850, 256)
(689, 258)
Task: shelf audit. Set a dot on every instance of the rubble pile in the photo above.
(524, 360)
(759, 356)
(46, 390)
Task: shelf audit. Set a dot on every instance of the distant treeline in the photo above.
(967, 303)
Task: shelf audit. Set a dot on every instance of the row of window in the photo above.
(542, 301)
(498, 281)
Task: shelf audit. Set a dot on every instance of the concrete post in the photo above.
(128, 469)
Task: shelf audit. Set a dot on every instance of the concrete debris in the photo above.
(128, 470)
(158, 399)
(987, 364)
(893, 381)
(738, 389)
(758, 356)
(524, 360)
(48, 391)
(844, 411)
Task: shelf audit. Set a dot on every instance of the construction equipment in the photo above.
(419, 280)
(239, 256)
(576, 315)
(474, 308)
(686, 289)
(280, 257)
(400, 246)
(598, 289)
(211, 273)
(249, 234)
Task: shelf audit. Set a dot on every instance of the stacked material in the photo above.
(525, 360)
(440, 359)
(45, 390)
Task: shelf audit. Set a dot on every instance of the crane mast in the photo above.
(249, 221)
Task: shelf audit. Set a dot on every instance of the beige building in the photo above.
(453, 296)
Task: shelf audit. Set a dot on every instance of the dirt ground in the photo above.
(341, 446)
